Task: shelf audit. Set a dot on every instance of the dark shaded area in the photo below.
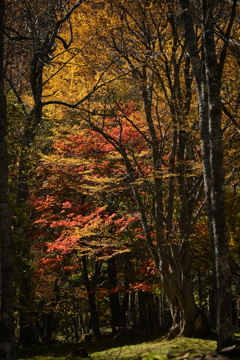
(80, 352)
(95, 345)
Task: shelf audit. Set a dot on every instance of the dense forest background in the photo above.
(119, 135)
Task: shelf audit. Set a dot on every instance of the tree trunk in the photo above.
(133, 316)
(27, 334)
(21, 243)
(94, 318)
(207, 73)
(224, 323)
(142, 309)
(186, 319)
(154, 325)
(7, 340)
(115, 307)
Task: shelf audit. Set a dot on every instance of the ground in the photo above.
(134, 347)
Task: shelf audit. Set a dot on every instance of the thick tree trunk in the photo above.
(216, 208)
(26, 324)
(208, 80)
(186, 318)
(7, 340)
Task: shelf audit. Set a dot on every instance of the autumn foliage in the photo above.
(107, 164)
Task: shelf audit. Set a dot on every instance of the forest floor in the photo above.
(128, 348)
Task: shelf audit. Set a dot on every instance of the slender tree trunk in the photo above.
(133, 318)
(7, 340)
(115, 307)
(27, 336)
(76, 322)
(142, 308)
(154, 325)
(94, 317)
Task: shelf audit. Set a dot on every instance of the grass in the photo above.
(157, 346)
(128, 348)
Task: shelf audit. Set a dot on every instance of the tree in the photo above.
(124, 143)
(73, 234)
(208, 63)
(36, 41)
(157, 74)
(75, 242)
(7, 339)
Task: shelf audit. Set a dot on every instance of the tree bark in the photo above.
(7, 340)
(224, 324)
(94, 317)
(178, 288)
(154, 325)
(207, 75)
(115, 307)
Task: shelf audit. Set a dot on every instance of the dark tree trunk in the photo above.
(47, 325)
(119, 304)
(133, 315)
(154, 325)
(142, 309)
(90, 287)
(7, 340)
(94, 320)
(27, 334)
(115, 307)
(128, 278)
(207, 73)
(21, 243)
(216, 208)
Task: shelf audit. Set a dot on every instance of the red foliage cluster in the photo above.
(70, 221)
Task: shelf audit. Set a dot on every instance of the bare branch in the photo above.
(17, 35)
(231, 117)
(96, 87)
(226, 39)
(16, 94)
